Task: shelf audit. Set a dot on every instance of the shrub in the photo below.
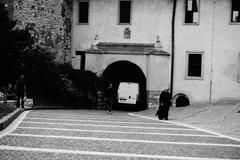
(59, 83)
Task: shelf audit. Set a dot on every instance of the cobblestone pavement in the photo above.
(91, 134)
(220, 118)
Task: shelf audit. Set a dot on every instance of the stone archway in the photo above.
(181, 100)
(126, 71)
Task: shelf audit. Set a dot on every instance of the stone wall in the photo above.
(153, 99)
(49, 22)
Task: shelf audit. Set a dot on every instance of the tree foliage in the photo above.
(43, 76)
(13, 43)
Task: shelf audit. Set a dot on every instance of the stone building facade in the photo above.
(49, 22)
(131, 40)
(206, 45)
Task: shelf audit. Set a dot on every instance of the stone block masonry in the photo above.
(49, 22)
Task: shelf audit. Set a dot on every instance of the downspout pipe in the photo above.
(173, 46)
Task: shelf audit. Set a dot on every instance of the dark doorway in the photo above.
(82, 55)
(125, 71)
(182, 101)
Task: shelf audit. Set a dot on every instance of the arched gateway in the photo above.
(121, 72)
(143, 65)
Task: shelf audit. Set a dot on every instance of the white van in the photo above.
(128, 92)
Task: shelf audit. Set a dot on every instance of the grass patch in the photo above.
(5, 110)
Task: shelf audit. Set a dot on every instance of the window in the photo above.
(194, 65)
(125, 12)
(235, 11)
(191, 11)
(83, 11)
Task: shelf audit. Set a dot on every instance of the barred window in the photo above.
(83, 11)
(194, 65)
(235, 11)
(125, 11)
(192, 11)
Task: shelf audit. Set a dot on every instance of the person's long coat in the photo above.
(164, 104)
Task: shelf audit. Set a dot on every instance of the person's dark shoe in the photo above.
(166, 118)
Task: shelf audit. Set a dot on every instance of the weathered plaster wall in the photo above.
(219, 41)
(147, 23)
(50, 23)
(214, 36)
(195, 38)
(98, 63)
(154, 67)
(226, 49)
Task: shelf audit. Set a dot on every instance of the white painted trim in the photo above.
(81, 120)
(14, 124)
(193, 127)
(77, 117)
(124, 140)
(120, 132)
(187, 67)
(113, 154)
(69, 116)
(112, 126)
(66, 115)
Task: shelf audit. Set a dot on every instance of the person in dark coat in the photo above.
(164, 105)
(109, 98)
(20, 91)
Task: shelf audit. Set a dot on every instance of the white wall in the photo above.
(149, 19)
(98, 63)
(195, 38)
(214, 36)
(147, 22)
(226, 54)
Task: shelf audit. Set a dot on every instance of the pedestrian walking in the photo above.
(20, 91)
(164, 105)
(109, 98)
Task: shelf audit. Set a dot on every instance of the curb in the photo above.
(5, 121)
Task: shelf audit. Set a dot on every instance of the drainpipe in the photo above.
(173, 46)
(212, 52)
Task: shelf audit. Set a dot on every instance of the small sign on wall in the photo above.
(127, 33)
